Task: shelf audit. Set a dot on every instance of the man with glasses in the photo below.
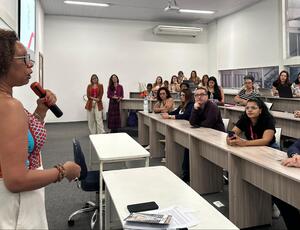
(247, 92)
(205, 113)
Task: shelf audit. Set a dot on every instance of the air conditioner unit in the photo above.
(177, 30)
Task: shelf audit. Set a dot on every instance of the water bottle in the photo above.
(146, 108)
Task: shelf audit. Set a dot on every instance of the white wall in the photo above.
(24, 93)
(8, 12)
(77, 47)
(249, 38)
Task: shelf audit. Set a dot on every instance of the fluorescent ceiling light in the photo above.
(196, 11)
(87, 3)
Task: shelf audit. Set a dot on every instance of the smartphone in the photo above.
(140, 207)
(231, 134)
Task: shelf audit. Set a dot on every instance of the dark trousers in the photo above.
(290, 214)
(186, 166)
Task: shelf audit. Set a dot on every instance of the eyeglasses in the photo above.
(200, 95)
(162, 93)
(251, 107)
(182, 95)
(248, 82)
(26, 58)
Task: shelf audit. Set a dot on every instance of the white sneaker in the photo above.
(275, 212)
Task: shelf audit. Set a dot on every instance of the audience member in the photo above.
(297, 113)
(247, 92)
(166, 84)
(181, 77)
(115, 94)
(215, 92)
(184, 85)
(94, 106)
(194, 78)
(282, 86)
(205, 113)
(257, 124)
(174, 86)
(149, 90)
(296, 86)
(204, 81)
(23, 135)
(164, 102)
(158, 82)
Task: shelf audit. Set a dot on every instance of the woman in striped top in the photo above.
(247, 92)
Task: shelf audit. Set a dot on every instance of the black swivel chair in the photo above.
(89, 181)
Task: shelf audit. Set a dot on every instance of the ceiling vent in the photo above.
(177, 30)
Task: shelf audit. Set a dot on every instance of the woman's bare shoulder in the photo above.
(10, 106)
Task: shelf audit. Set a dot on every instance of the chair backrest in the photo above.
(226, 122)
(278, 136)
(269, 105)
(79, 159)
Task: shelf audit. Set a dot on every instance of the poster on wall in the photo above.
(41, 70)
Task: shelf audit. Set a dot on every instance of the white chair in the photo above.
(278, 137)
(226, 122)
(269, 105)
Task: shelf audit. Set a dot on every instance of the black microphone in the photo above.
(40, 92)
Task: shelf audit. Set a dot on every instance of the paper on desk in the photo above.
(181, 218)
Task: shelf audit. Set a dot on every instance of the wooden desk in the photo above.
(279, 103)
(157, 184)
(137, 95)
(136, 104)
(116, 147)
(254, 172)
(286, 121)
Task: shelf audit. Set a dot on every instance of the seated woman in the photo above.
(257, 124)
(164, 102)
(185, 108)
(174, 86)
(215, 92)
(194, 78)
(282, 86)
(247, 92)
(183, 112)
(297, 114)
(296, 86)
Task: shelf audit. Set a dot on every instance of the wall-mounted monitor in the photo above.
(27, 16)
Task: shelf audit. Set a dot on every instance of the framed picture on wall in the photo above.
(41, 69)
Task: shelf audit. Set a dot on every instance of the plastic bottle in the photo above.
(146, 106)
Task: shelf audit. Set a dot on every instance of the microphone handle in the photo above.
(55, 110)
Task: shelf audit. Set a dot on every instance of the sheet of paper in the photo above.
(181, 218)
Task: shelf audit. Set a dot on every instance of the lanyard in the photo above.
(253, 135)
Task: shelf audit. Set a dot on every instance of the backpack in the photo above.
(132, 120)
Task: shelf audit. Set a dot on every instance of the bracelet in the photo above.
(61, 172)
(38, 116)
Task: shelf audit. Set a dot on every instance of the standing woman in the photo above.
(94, 106)
(22, 178)
(215, 92)
(115, 94)
(282, 86)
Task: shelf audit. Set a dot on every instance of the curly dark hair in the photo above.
(8, 40)
(167, 92)
(265, 113)
(111, 83)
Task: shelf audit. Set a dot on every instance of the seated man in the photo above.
(205, 113)
(247, 92)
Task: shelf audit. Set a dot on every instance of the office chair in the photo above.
(89, 182)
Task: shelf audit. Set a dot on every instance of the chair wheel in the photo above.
(71, 223)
